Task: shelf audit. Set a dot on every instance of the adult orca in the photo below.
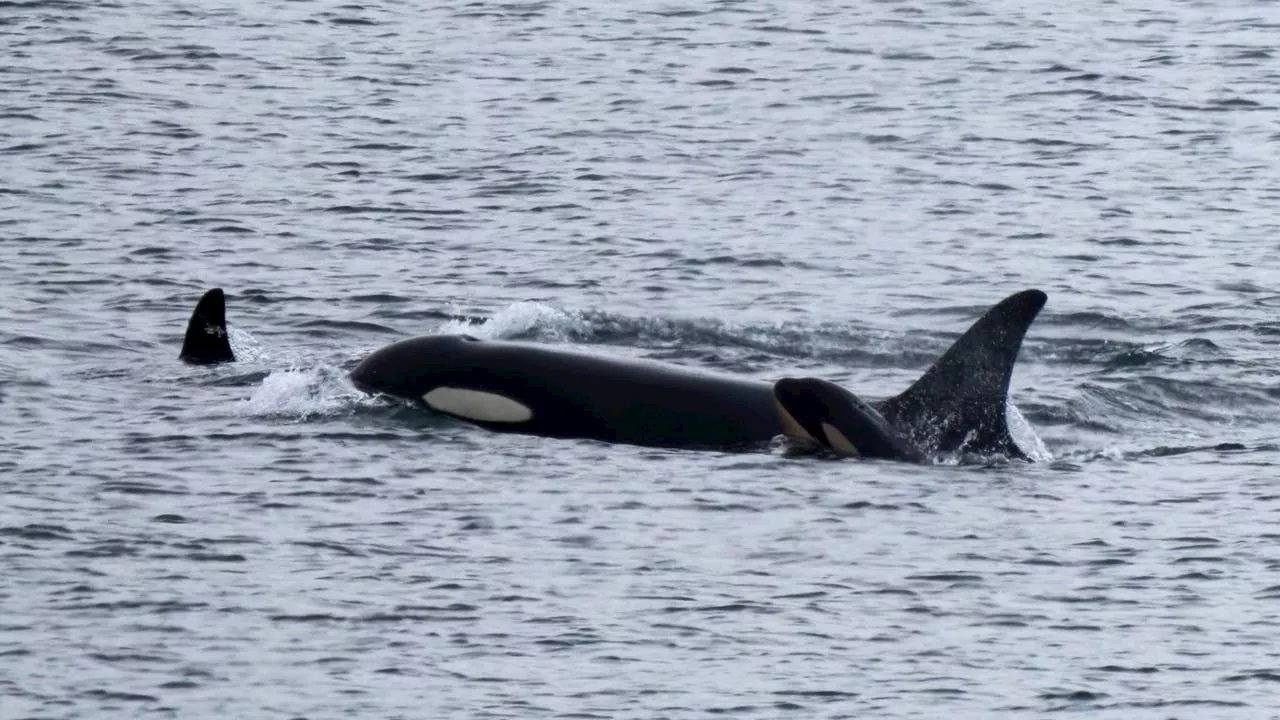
(957, 406)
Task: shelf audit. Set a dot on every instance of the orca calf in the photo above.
(957, 406)
(841, 421)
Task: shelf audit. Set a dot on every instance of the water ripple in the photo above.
(745, 187)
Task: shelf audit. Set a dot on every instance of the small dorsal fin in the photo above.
(206, 342)
(958, 405)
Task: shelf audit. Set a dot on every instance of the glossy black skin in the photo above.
(578, 395)
(814, 401)
(206, 341)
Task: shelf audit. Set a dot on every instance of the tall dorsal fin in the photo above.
(206, 342)
(958, 405)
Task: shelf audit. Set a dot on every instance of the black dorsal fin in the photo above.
(206, 342)
(958, 405)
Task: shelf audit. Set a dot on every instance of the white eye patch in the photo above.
(477, 405)
(839, 442)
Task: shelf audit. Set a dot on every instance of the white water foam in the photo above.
(301, 393)
(1025, 435)
(245, 346)
(519, 319)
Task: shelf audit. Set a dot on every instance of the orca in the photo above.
(842, 422)
(957, 407)
(206, 341)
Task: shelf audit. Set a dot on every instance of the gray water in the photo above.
(743, 187)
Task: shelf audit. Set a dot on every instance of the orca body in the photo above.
(573, 394)
(958, 406)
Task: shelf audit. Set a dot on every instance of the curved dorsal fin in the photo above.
(206, 342)
(958, 405)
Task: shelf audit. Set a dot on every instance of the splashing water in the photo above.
(521, 319)
(301, 394)
(1025, 435)
(245, 346)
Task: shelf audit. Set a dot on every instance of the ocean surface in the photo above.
(747, 187)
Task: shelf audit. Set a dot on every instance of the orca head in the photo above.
(804, 405)
(839, 420)
(438, 371)
(410, 368)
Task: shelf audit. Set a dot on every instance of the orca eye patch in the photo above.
(477, 405)
(838, 442)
